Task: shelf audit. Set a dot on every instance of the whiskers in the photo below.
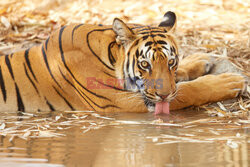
(135, 97)
(172, 96)
(131, 97)
(150, 97)
(178, 95)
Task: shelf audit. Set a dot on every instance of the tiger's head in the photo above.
(149, 60)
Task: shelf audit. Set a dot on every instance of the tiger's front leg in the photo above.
(207, 89)
(194, 66)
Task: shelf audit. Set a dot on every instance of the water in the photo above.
(133, 140)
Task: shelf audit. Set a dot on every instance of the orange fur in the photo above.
(80, 66)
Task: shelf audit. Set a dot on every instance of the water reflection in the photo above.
(134, 145)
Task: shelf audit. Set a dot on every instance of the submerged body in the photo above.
(105, 68)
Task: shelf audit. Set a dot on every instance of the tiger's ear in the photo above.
(169, 21)
(124, 34)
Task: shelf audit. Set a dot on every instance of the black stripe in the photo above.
(123, 74)
(154, 55)
(148, 102)
(116, 88)
(109, 74)
(154, 28)
(19, 100)
(149, 32)
(152, 35)
(149, 48)
(164, 47)
(149, 94)
(133, 67)
(46, 44)
(145, 37)
(66, 66)
(157, 31)
(26, 55)
(164, 55)
(66, 101)
(111, 57)
(144, 29)
(7, 61)
(102, 107)
(148, 43)
(161, 42)
(127, 66)
(82, 93)
(161, 35)
(51, 107)
(137, 53)
(73, 31)
(152, 98)
(76, 89)
(2, 85)
(136, 42)
(87, 40)
(172, 49)
(47, 65)
(149, 28)
(139, 67)
(137, 26)
(141, 52)
(33, 84)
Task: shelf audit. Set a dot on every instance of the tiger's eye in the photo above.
(145, 64)
(171, 62)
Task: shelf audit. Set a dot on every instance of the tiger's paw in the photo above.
(194, 66)
(209, 89)
(221, 87)
(236, 83)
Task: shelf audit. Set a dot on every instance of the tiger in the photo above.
(111, 68)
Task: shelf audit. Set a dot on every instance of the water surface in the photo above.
(185, 138)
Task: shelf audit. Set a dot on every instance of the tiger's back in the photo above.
(47, 77)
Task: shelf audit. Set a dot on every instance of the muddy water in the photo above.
(134, 140)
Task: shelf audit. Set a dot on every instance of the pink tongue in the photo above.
(162, 107)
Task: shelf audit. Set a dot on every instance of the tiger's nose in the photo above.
(162, 96)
